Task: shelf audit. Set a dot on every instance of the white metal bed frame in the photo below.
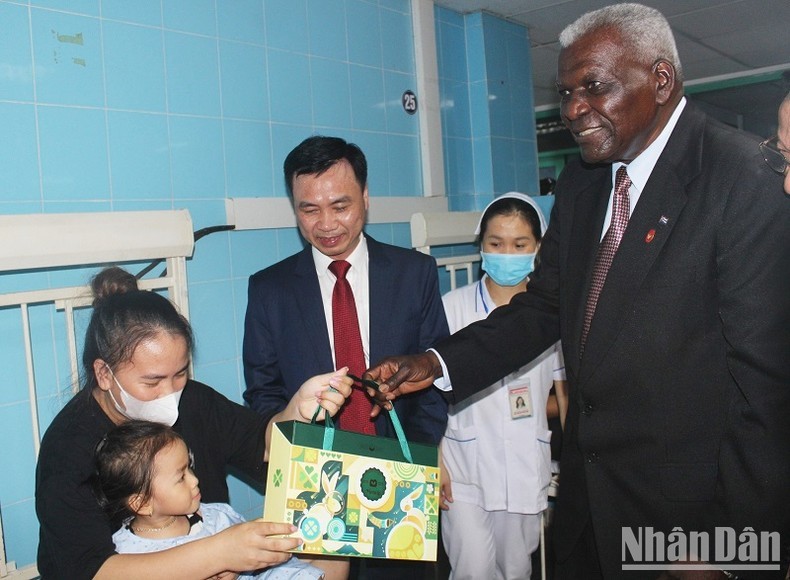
(432, 229)
(55, 241)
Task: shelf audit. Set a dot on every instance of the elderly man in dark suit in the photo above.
(668, 285)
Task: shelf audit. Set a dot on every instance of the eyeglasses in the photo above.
(773, 155)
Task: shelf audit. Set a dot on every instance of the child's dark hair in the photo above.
(124, 462)
(511, 206)
(123, 317)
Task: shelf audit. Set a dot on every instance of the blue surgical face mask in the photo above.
(508, 269)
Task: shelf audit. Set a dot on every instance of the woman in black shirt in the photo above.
(136, 360)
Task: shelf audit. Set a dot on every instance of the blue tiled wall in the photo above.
(486, 101)
(158, 104)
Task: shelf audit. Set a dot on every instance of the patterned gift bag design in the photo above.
(360, 498)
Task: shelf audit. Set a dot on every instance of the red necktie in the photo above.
(621, 210)
(355, 413)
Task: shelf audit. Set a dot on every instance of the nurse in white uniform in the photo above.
(496, 452)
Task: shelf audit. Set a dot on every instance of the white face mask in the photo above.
(162, 410)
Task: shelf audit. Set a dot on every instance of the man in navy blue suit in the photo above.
(288, 334)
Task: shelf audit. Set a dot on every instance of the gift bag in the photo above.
(354, 495)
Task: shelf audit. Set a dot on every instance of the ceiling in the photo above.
(718, 40)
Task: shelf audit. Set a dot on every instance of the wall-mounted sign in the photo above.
(409, 101)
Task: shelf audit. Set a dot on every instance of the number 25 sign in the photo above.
(409, 100)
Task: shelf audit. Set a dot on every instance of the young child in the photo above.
(144, 478)
(495, 450)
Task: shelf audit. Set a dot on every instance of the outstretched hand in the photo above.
(328, 391)
(257, 544)
(399, 375)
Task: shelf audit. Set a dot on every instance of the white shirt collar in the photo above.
(641, 167)
(358, 258)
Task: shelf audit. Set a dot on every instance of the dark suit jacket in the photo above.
(286, 340)
(679, 409)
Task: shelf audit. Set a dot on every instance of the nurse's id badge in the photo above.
(520, 401)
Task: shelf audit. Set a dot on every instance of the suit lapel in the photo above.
(649, 227)
(589, 210)
(380, 288)
(307, 294)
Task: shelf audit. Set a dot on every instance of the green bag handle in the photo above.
(329, 432)
(329, 428)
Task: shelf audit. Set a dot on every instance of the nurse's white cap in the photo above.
(522, 197)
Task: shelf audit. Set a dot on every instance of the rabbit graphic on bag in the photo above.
(318, 516)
